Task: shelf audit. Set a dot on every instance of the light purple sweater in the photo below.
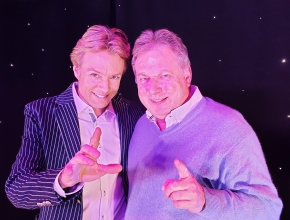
(223, 153)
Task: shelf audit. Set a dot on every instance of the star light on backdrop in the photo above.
(214, 17)
(268, 39)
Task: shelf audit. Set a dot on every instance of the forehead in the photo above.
(103, 59)
(155, 58)
(99, 55)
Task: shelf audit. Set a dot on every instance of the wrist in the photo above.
(62, 183)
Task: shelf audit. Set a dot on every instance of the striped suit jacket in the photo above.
(51, 138)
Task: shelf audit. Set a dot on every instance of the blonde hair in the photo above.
(148, 39)
(98, 38)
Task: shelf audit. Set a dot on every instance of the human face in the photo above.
(162, 84)
(99, 76)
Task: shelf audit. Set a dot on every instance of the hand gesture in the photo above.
(186, 193)
(83, 167)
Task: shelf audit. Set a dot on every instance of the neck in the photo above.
(188, 97)
(161, 123)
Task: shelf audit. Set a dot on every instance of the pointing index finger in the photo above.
(95, 139)
(182, 169)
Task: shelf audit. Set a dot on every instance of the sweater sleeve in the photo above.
(244, 189)
(30, 183)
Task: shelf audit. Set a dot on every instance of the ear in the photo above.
(135, 78)
(188, 75)
(76, 72)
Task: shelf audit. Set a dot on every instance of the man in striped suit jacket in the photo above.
(58, 168)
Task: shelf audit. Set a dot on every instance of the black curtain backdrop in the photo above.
(239, 50)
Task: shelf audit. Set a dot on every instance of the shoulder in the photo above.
(218, 110)
(123, 104)
(223, 118)
(49, 102)
(40, 108)
(41, 103)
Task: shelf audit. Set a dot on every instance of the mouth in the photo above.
(100, 96)
(158, 100)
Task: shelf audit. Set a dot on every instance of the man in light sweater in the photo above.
(191, 157)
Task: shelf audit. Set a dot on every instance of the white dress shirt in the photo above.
(103, 198)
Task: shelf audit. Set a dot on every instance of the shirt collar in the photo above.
(84, 109)
(180, 112)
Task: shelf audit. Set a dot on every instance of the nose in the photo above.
(104, 85)
(154, 86)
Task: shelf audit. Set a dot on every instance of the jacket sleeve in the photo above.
(30, 183)
(245, 189)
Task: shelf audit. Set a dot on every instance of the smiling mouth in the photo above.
(100, 96)
(158, 100)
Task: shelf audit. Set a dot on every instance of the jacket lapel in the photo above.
(67, 119)
(121, 110)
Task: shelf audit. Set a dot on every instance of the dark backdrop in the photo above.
(239, 49)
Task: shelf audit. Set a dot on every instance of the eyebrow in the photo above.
(98, 71)
(159, 73)
(141, 74)
(95, 70)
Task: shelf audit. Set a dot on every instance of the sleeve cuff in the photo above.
(57, 188)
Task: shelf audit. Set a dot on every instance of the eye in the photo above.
(165, 75)
(116, 77)
(95, 75)
(143, 79)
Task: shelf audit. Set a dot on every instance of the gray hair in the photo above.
(98, 38)
(148, 39)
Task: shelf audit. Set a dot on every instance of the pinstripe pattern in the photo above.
(51, 137)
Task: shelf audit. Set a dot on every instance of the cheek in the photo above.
(141, 89)
(85, 82)
(141, 93)
(169, 87)
(116, 85)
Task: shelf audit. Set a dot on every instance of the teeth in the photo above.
(100, 96)
(157, 100)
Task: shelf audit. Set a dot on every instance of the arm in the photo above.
(243, 190)
(30, 182)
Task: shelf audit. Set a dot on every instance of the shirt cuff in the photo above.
(57, 188)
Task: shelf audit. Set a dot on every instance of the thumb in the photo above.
(95, 139)
(182, 169)
(166, 183)
(111, 168)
